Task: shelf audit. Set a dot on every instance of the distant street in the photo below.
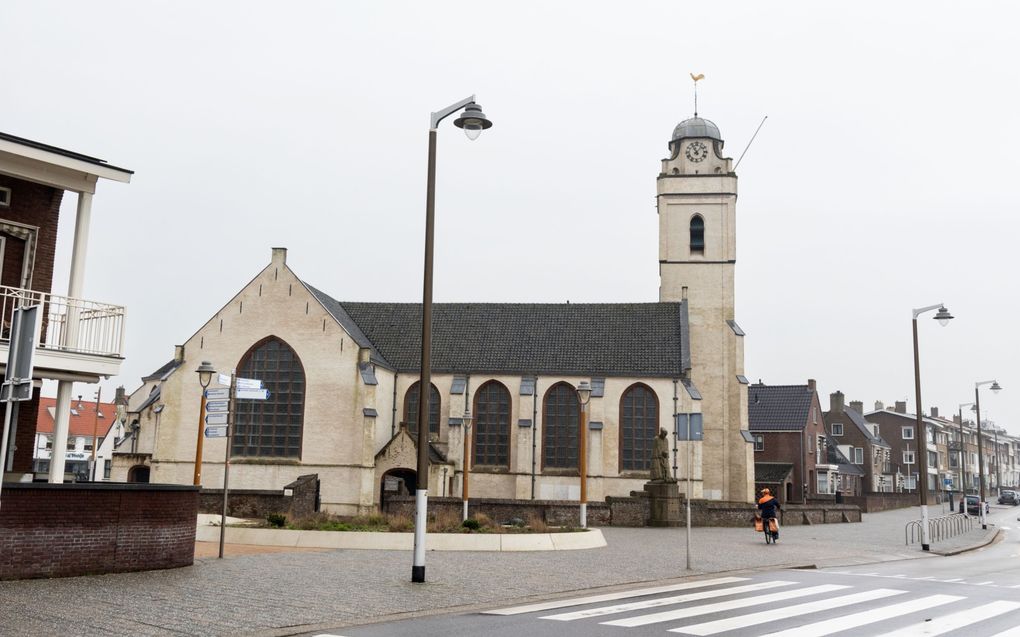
(974, 593)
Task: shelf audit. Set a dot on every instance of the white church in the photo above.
(343, 377)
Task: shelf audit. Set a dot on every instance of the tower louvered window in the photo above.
(697, 234)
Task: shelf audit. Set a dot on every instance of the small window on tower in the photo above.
(697, 235)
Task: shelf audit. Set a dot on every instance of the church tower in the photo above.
(697, 197)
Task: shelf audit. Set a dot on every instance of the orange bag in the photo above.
(773, 525)
(758, 526)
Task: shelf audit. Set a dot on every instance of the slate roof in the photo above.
(163, 371)
(778, 407)
(834, 456)
(858, 420)
(600, 339)
(772, 472)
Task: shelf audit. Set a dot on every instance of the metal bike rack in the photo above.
(940, 528)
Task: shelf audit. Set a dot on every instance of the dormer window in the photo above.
(697, 235)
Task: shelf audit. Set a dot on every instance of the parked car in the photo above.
(1009, 497)
(973, 502)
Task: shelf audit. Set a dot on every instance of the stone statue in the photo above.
(660, 459)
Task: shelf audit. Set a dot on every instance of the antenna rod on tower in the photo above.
(750, 142)
(699, 76)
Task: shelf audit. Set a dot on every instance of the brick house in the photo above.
(899, 429)
(857, 439)
(786, 424)
(80, 340)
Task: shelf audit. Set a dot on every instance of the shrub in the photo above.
(276, 520)
(471, 524)
(399, 523)
(537, 524)
(484, 521)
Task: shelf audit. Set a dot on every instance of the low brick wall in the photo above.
(875, 502)
(61, 530)
(737, 514)
(552, 512)
(258, 503)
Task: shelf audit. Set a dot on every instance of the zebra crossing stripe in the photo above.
(666, 601)
(1010, 632)
(608, 597)
(704, 609)
(957, 620)
(753, 619)
(863, 618)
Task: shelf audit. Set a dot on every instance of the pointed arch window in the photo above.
(639, 424)
(697, 234)
(491, 436)
(561, 414)
(271, 428)
(411, 409)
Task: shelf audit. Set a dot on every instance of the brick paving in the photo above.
(288, 592)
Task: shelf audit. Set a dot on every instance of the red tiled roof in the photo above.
(83, 417)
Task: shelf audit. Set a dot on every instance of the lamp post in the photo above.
(963, 461)
(466, 420)
(205, 374)
(981, 456)
(943, 317)
(473, 121)
(583, 396)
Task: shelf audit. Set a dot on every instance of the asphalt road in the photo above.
(974, 593)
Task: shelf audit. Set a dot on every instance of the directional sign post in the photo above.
(221, 393)
(216, 419)
(252, 394)
(216, 432)
(217, 406)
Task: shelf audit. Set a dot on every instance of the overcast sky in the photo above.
(883, 179)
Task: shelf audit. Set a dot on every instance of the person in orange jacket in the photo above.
(769, 506)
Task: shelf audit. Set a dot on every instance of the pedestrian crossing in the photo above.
(783, 608)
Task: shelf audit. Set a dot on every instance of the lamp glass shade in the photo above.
(943, 316)
(205, 373)
(472, 130)
(584, 392)
(466, 418)
(995, 387)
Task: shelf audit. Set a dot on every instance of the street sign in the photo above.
(252, 394)
(223, 393)
(216, 419)
(216, 432)
(248, 383)
(947, 482)
(692, 423)
(224, 380)
(216, 405)
(25, 326)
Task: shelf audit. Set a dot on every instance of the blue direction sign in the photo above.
(216, 405)
(222, 393)
(216, 419)
(216, 432)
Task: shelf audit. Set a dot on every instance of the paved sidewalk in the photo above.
(281, 593)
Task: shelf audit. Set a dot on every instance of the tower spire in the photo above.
(699, 76)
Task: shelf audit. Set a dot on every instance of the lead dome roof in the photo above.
(696, 127)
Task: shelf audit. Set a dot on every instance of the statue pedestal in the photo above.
(665, 503)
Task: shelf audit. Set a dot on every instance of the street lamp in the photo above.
(466, 419)
(943, 317)
(981, 456)
(473, 122)
(583, 396)
(205, 374)
(963, 461)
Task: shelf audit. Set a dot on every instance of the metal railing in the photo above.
(941, 528)
(69, 324)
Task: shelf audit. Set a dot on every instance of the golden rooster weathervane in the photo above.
(699, 76)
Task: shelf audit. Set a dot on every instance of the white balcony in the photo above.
(80, 340)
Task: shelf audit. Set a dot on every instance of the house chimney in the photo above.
(836, 402)
(956, 419)
(178, 353)
(934, 412)
(857, 406)
(811, 384)
(879, 406)
(279, 256)
(901, 407)
(121, 396)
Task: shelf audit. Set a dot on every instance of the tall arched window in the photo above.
(271, 428)
(411, 409)
(561, 418)
(697, 234)
(491, 435)
(639, 424)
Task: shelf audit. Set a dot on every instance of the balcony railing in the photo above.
(69, 324)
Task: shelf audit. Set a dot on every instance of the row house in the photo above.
(92, 432)
(790, 443)
(899, 429)
(81, 340)
(861, 443)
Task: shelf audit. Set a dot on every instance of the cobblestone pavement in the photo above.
(292, 592)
